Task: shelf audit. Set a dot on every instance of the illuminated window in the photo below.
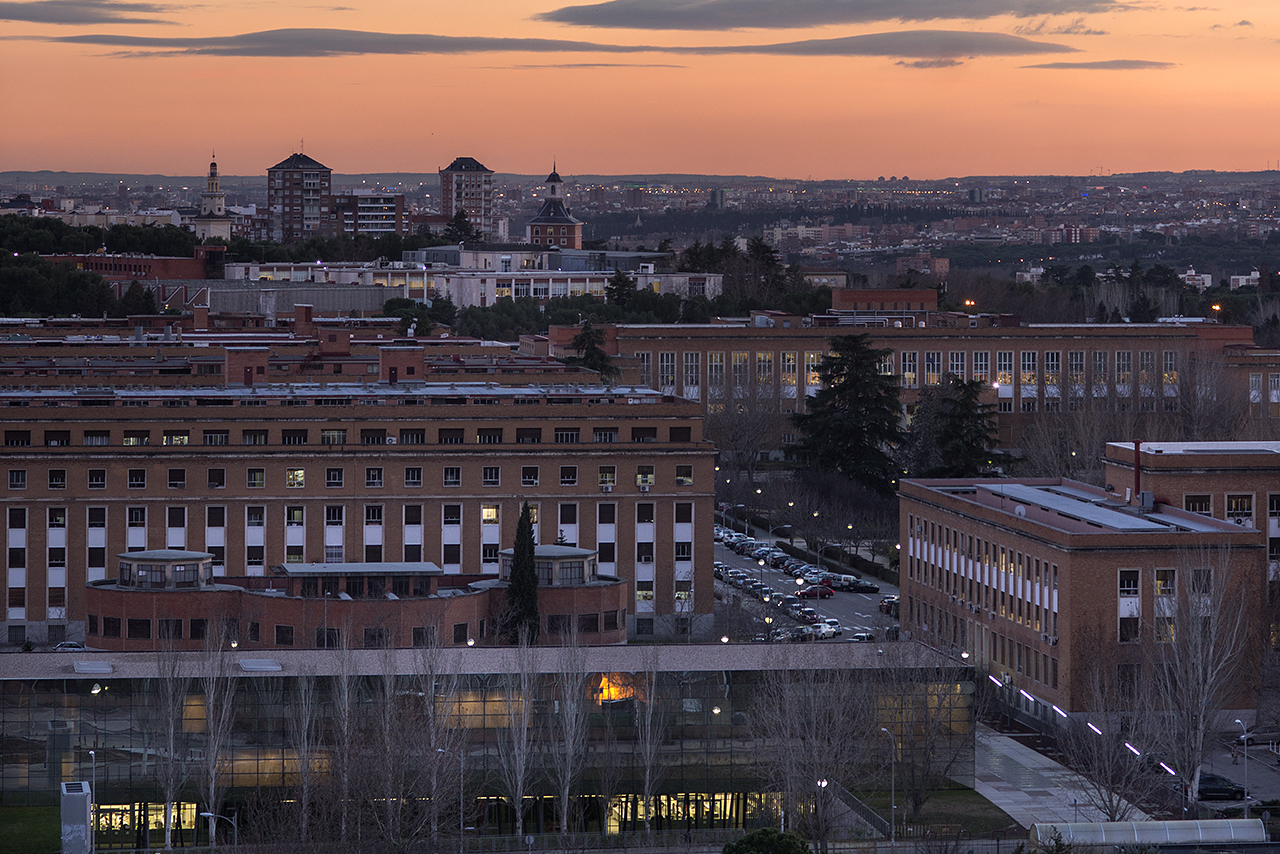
(488, 514)
(294, 478)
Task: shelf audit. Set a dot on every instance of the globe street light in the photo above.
(1244, 736)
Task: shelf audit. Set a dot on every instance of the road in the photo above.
(857, 612)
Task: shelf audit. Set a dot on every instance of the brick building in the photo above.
(1040, 581)
(1032, 368)
(170, 599)
(300, 200)
(1235, 481)
(553, 225)
(467, 185)
(263, 462)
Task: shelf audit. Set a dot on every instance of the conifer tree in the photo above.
(522, 587)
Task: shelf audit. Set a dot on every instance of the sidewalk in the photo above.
(1028, 786)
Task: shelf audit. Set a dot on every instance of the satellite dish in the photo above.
(1020, 511)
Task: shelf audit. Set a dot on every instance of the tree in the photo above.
(651, 728)
(620, 289)
(1202, 653)
(516, 739)
(218, 683)
(853, 423)
(567, 729)
(767, 840)
(168, 697)
(952, 431)
(138, 299)
(459, 229)
(522, 588)
(589, 345)
(742, 427)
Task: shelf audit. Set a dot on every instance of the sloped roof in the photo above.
(299, 161)
(553, 212)
(465, 164)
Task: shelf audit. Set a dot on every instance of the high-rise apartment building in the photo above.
(467, 185)
(300, 199)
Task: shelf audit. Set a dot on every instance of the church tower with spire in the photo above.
(554, 225)
(213, 220)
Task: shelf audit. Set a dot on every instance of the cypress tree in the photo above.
(522, 587)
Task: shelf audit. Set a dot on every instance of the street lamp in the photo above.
(93, 797)
(893, 791)
(1244, 731)
(817, 814)
(235, 830)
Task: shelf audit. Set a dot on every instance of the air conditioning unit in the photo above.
(1053, 640)
(644, 487)
(991, 615)
(606, 488)
(953, 598)
(647, 559)
(391, 440)
(1044, 638)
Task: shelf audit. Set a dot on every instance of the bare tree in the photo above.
(168, 697)
(1204, 620)
(344, 698)
(651, 727)
(303, 723)
(567, 728)
(218, 682)
(796, 712)
(608, 749)
(516, 740)
(744, 426)
(1112, 780)
(928, 710)
(438, 738)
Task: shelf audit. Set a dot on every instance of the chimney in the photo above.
(1137, 467)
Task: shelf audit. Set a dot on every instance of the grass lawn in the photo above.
(30, 830)
(962, 808)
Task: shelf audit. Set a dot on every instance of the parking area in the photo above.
(794, 601)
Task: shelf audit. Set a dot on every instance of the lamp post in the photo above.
(893, 791)
(817, 815)
(235, 830)
(1244, 733)
(93, 800)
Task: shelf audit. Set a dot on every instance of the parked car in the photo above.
(785, 602)
(822, 630)
(1266, 734)
(745, 546)
(767, 593)
(807, 615)
(887, 603)
(1215, 788)
(69, 646)
(864, 587)
(815, 591)
(779, 558)
(862, 637)
(800, 634)
(836, 628)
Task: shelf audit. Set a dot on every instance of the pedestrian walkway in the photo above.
(1028, 786)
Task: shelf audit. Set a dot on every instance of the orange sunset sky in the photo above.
(783, 88)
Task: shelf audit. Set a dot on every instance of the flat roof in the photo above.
(425, 567)
(165, 555)
(1244, 447)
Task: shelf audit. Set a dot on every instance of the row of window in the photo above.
(1031, 367)
(339, 436)
(325, 637)
(335, 478)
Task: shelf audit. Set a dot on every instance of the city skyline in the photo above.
(930, 90)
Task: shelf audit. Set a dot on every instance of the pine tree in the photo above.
(854, 421)
(522, 587)
(619, 289)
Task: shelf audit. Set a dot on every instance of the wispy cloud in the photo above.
(1076, 27)
(82, 12)
(584, 65)
(929, 63)
(1107, 65)
(923, 44)
(769, 14)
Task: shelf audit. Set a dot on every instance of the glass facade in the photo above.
(300, 726)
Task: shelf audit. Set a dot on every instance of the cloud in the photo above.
(925, 44)
(1076, 27)
(769, 14)
(1107, 65)
(929, 63)
(913, 43)
(82, 12)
